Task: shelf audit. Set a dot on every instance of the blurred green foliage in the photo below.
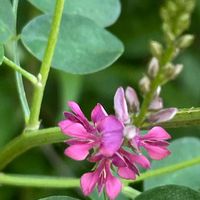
(138, 24)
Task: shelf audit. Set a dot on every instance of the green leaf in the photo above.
(82, 47)
(171, 192)
(182, 149)
(7, 22)
(103, 12)
(58, 198)
(1, 54)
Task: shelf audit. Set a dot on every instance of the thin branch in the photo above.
(19, 81)
(17, 68)
(34, 121)
(51, 182)
(166, 170)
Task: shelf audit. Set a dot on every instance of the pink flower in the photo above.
(120, 103)
(105, 133)
(154, 142)
(127, 163)
(102, 177)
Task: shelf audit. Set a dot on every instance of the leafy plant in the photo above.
(71, 37)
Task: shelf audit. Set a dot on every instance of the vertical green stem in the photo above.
(45, 67)
(167, 57)
(20, 85)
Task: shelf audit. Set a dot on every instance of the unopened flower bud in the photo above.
(171, 71)
(157, 92)
(153, 67)
(144, 84)
(156, 104)
(132, 99)
(190, 6)
(177, 70)
(171, 6)
(183, 23)
(162, 115)
(169, 66)
(185, 41)
(156, 49)
(184, 18)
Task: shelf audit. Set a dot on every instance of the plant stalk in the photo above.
(23, 72)
(28, 140)
(34, 122)
(51, 182)
(19, 81)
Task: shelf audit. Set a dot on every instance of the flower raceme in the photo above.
(154, 141)
(114, 142)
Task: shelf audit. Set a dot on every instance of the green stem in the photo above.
(38, 181)
(45, 67)
(27, 141)
(167, 57)
(20, 85)
(166, 170)
(17, 68)
(33, 181)
(184, 117)
(51, 182)
(146, 102)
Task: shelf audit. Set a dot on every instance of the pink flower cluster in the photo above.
(113, 142)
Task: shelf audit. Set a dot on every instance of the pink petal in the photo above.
(95, 158)
(120, 105)
(126, 173)
(133, 158)
(156, 152)
(71, 116)
(110, 124)
(81, 117)
(156, 104)
(88, 182)
(76, 109)
(98, 113)
(135, 143)
(141, 160)
(74, 141)
(156, 133)
(162, 115)
(101, 183)
(118, 160)
(113, 187)
(132, 99)
(73, 129)
(78, 152)
(112, 135)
